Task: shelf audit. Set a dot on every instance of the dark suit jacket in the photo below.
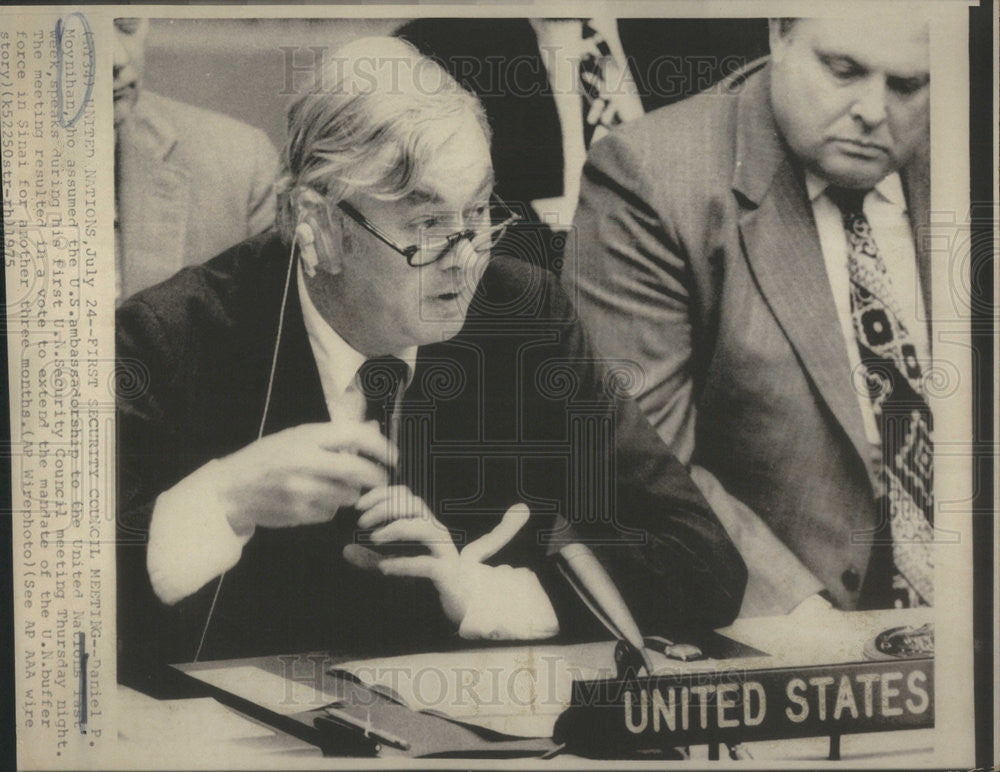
(700, 260)
(191, 183)
(512, 409)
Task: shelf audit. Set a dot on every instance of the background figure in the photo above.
(553, 87)
(189, 182)
(753, 250)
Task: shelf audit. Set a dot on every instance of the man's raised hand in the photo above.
(303, 475)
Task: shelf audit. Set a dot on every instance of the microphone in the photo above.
(306, 240)
(585, 574)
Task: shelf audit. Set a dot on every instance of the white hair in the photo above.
(375, 116)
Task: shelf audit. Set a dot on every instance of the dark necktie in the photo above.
(379, 380)
(594, 63)
(895, 382)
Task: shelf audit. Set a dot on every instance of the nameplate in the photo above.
(747, 705)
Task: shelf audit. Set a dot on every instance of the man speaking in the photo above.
(364, 429)
(754, 250)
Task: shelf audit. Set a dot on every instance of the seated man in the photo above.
(259, 512)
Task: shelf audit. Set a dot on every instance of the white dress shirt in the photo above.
(338, 363)
(191, 541)
(885, 209)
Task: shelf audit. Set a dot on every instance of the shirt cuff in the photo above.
(507, 603)
(190, 539)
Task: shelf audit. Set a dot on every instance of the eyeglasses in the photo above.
(482, 239)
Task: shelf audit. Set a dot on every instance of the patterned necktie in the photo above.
(379, 380)
(596, 63)
(894, 379)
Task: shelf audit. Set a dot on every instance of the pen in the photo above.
(739, 752)
(83, 656)
(365, 726)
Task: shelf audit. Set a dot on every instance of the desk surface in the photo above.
(201, 734)
(816, 636)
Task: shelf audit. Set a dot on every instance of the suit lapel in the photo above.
(782, 247)
(152, 199)
(781, 244)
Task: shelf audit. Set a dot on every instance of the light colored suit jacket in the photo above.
(191, 183)
(698, 258)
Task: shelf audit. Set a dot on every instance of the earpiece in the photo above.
(306, 239)
(313, 239)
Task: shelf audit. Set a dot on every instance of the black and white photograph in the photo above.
(491, 385)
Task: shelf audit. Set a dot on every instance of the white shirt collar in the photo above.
(336, 360)
(890, 188)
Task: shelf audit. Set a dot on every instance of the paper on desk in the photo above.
(274, 692)
(194, 734)
(518, 690)
(143, 718)
(815, 635)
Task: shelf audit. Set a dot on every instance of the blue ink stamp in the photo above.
(69, 30)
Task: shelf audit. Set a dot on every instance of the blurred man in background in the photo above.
(189, 182)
